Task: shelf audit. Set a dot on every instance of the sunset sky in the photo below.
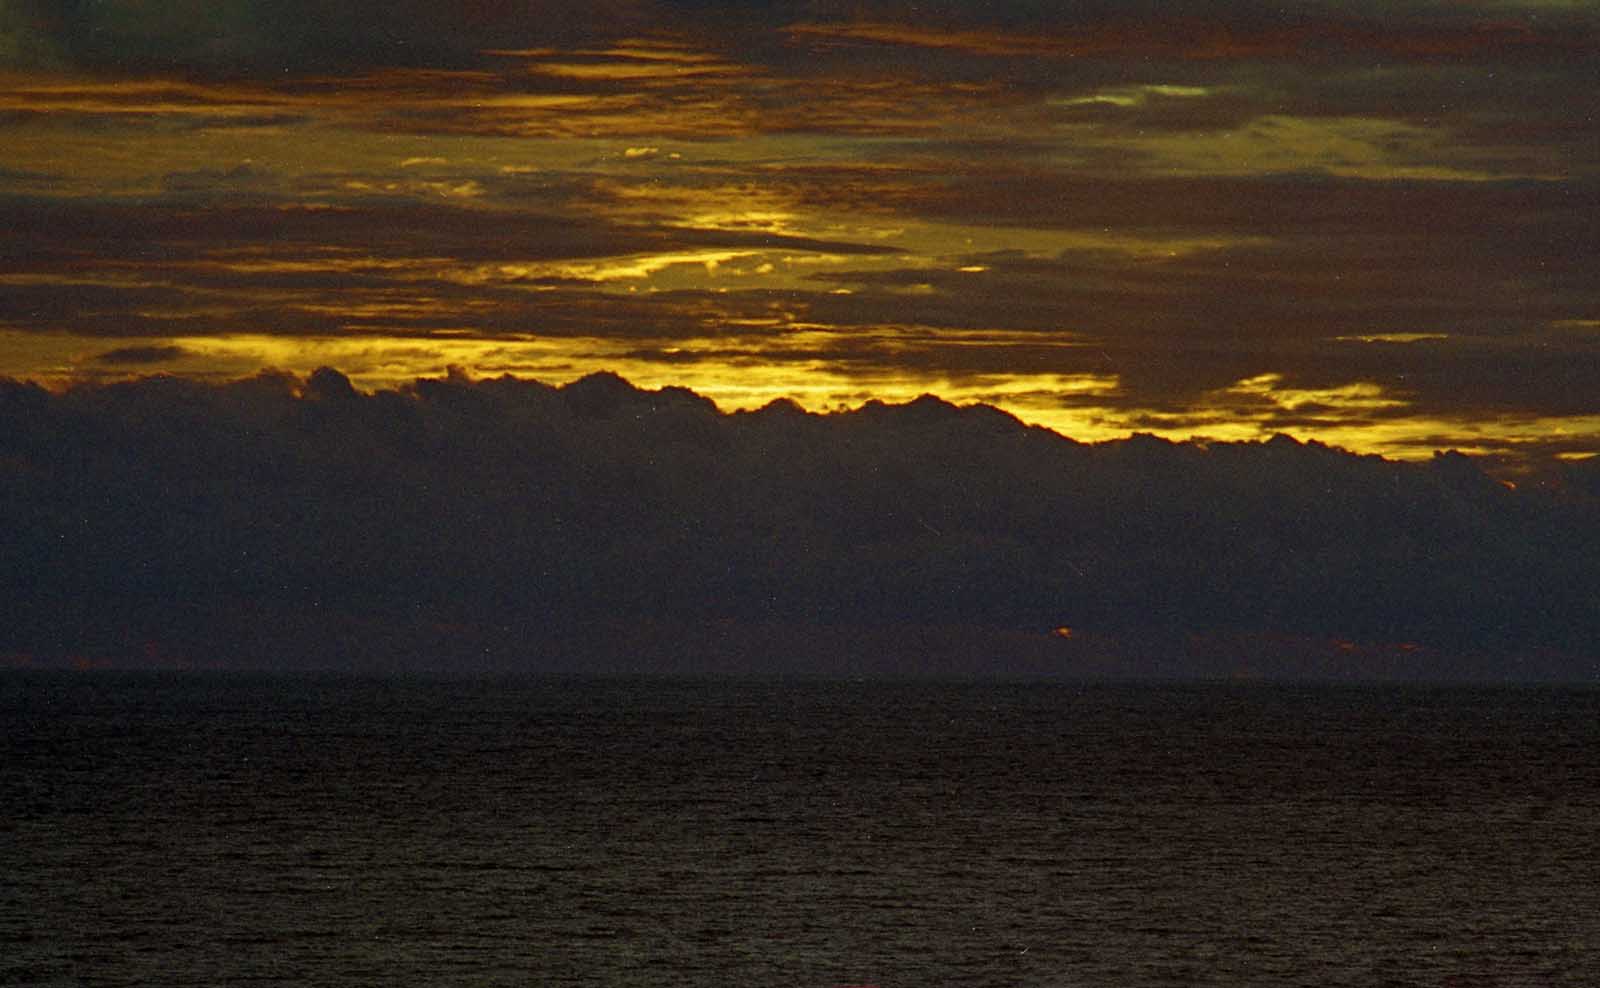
(1372, 224)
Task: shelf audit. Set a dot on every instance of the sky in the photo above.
(1368, 224)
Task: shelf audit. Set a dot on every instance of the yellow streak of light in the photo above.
(1134, 95)
(330, 264)
(627, 267)
(1393, 337)
(1356, 396)
(637, 71)
(521, 52)
(543, 101)
(375, 361)
(657, 51)
(647, 50)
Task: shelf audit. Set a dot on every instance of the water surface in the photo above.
(209, 829)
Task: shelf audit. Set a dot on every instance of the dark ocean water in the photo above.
(216, 830)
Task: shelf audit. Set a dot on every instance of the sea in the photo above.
(179, 829)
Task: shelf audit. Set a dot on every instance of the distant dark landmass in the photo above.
(506, 526)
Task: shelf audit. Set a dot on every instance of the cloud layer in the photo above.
(295, 521)
(1365, 223)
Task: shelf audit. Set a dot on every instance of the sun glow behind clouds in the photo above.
(1133, 95)
(1363, 396)
(1100, 224)
(747, 372)
(706, 365)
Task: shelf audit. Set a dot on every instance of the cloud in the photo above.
(228, 37)
(712, 70)
(603, 41)
(242, 178)
(538, 510)
(142, 355)
(1103, 216)
(1176, 289)
(24, 176)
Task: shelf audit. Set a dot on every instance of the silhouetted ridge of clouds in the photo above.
(508, 516)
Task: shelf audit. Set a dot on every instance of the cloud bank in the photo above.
(469, 524)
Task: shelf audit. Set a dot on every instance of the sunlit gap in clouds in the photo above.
(734, 373)
(1080, 406)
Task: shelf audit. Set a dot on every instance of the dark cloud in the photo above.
(230, 37)
(175, 266)
(239, 180)
(1210, 33)
(512, 511)
(375, 227)
(142, 355)
(24, 176)
(1553, 215)
(235, 36)
(46, 306)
